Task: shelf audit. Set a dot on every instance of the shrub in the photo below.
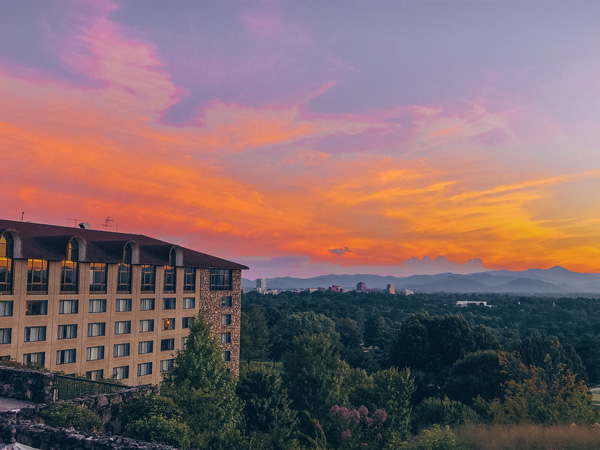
(442, 412)
(68, 415)
(161, 430)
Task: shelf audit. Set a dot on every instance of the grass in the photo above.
(528, 437)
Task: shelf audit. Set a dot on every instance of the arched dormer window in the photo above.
(124, 270)
(172, 257)
(69, 275)
(6, 257)
(170, 279)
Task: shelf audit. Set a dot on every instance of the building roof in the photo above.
(40, 241)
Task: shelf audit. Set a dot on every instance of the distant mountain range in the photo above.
(556, 280)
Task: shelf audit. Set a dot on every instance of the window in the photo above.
(220, 279)
(6, 255)
(168, 303)
(35, 334)
(226, 355)
(70, 271)
(5, 335)
(166, 365)
(120, 350)
(123, 327)
(189, 279)
(225, 338)
(94, 353)
(167, 344)
(97, 305)
(121, 372)
(123, 305)
(96, 329)
(37, 276)
(148, 278)
(184, 341)
(36, 307)
(124, 278)
(186, 322)
(146, 325)
(95, 375)
(189, 303)
(227, 301)
(34, 358)
(6, 309)
(147, 304)
(67, 332)
(66, 356)
(98, 274)
(226, 319)
(68, 306)
(145, 347)
(144, 369)
(169, 324)
(170, 279)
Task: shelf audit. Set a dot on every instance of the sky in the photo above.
(311, 137)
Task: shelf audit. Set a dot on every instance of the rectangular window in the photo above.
(167, 344)
(227, 301)
(6, 284)
(123, 327)
(121, 372)
(170, 279)
(226, 355)
(124, 278)
(67, 332)
(69, 277)
(36, 307)
(147, 304)
(168, 303)
(184, 341)
(146, 325)
(189, 303)
(35, 334)
(225, 338)
(94, 353)
(189, 279)
(166, 365)
(97, 305)
(37, 276)
(186, 322)
(226, 319)
(220, 279)
(120, 350)
(148, 278)
(145, 347)
(98, 276)
(169, 324)
(6, 308)
(34, 358)
(5, 335)
(123, 305)
(144, 369)
(95, 375)
(68, 306)
(66, 356)
(96, 329)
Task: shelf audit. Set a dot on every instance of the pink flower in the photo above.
(363, 410)
(346, 435)
(380, 415)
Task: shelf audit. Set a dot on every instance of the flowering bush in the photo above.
(355, 429)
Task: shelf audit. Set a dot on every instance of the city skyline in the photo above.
(307, 138)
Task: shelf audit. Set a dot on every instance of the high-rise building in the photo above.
(261, 285)
(107, 304)
(361, 287)
(391, 289)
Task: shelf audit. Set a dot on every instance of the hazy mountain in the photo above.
(556, 280)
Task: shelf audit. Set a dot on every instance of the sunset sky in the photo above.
(311, 137)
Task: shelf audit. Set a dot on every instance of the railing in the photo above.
(71, 387)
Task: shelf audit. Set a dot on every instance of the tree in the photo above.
(254, 334)
(302, 323)
(79, 417)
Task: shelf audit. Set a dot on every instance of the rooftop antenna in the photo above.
(74, 221)
(22, 216)
(107, 224)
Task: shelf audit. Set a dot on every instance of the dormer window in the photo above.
(69, 276)
(6, 256)
(124, 271)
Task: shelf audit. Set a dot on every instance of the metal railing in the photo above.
(71, 387)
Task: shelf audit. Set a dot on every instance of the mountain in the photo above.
(556, 280)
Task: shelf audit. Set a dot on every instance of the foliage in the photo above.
(438, 438)
(355, 429)
(157, 428)
(254, 334)
(68, 415)
(436, 411)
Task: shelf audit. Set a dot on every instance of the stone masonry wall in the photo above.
(28, 385)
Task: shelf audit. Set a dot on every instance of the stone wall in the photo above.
(28, 385)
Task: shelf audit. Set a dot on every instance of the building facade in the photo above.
(105, 304)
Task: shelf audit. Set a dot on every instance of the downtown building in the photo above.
(105, 304)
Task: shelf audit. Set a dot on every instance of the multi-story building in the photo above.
(361, 287)
(391, 289)
(261, 285)
(108, 304)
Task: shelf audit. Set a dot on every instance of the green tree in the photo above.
(436, 411)
(68, 415)
(298, 324)
(254, 334)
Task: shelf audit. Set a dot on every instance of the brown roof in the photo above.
(40, 241)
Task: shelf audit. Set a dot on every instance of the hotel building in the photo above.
(105, 304)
